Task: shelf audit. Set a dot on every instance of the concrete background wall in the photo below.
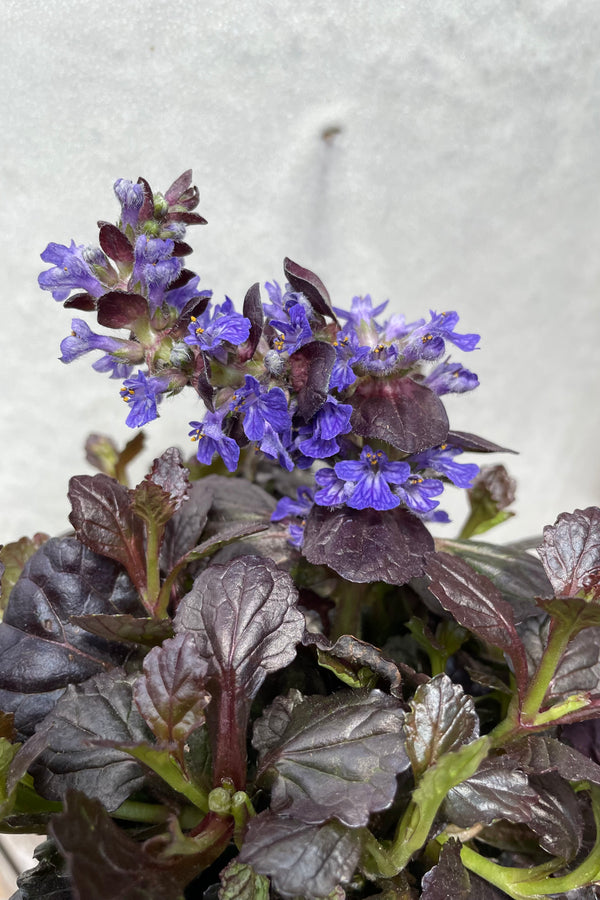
(464, 174)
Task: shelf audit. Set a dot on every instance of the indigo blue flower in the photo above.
(114, 365)
(293, 333)
(428, 340)
(373, 474)
(178, 297)
(361, 310)
(277, 447)
(318, 437)
(261, 407)
(441, 461)
(416, 493)
(71, 272)
(282, 300)
(142, 395)
(397, 327)
(82, 339)
(211, 440)
(451, 378)
(210, 331)
(131, 198)
(348, 353)
(300, 508)
(154, 268)
(333, 490)
(381, 359)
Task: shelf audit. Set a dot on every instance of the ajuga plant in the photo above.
(256, 674)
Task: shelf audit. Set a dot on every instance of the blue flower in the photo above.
(397, 327)
(348, 353)
(300, 508)
(319, 435)
(441, 460)
(428, 340)
(71, 272)
(211, 440)
(451, 378)
(210, 332)
(178, 297)
(282, 300)
(142, 395)
(333, 490)
(131, 198)
(277, 447)
(155, 268)
(116, 367)
(293, 333)
(381, 359)
(373, 474)
(361, 310)
(261, 407)
(82, 339)
(416, 493)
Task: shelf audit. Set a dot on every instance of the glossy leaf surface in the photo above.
(570, 553)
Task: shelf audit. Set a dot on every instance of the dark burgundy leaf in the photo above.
(184, 529)
(147, 209)
(180, 248)
(171, 695)
(538, 754)
(206, 391)
(102, 518)
(306, 861)
(306, 282)
(13, 557)
(105, 862)
(483, 890)
(448, 878)
(442, 718)
(579, 668)
(335, 756)
(137, 630)
(518, 576)
(350, 656)
(246, 624)
(85, 302)
(556, 818)
(76, 756)
(48, 881)
(102, 453)
(235, 500)
(310, 368)
(190, 218)
(367, 545)
(41, 651)
(115, 244)
(163, 490)
(118, 309)
(253, 311)
(241, 882)
(399, 411)
(477, 604)
(570, 553)
(473, 442)
(179, 186)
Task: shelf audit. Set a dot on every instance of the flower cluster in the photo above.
(305, 382)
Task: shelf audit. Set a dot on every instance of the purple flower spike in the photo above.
(416, 493)
(131, 198)
(427, 341)
(209, 333)
(211, 440)
(142, 395)
(373, 474)
(332, 420)
(441, 460)
(261, 407)
(293, 334)
(71, 272)
(82, 339)
(155, 268)
(451, 378)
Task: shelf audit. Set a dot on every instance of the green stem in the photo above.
(560, 635)
(155, 814)
(349, 599)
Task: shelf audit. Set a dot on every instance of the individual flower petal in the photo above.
(131, 198)
(373, 474)
(319, 435)
(348, 353)
(427, 341)
(361, 310)
(71, 272)
(114, 365)
(417, 493)
(261, 407)
(82, 339)
(451, 378)
(441, 460)
(333, 490)
(277, 447)
(299, 507)
(209, 331)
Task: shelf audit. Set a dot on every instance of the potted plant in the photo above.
(255, 673)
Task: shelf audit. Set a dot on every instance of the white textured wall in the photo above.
(465, 175)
